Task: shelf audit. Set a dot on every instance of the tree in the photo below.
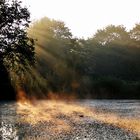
(112, 35)
(53, 41)
(16, 48)
(135, 35)
(50, 33)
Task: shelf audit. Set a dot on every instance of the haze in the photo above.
(84, 17)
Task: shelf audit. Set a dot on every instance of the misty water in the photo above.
(10, 129)
(124, 108)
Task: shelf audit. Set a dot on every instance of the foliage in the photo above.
(104, 66)
(53, 40)
(16, 48)
(112, 35)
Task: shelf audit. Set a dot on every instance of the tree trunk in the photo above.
(6, 90)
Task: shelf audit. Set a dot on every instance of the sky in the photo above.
(84, 17)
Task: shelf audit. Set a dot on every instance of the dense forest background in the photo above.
(44, 60)
(106, 65)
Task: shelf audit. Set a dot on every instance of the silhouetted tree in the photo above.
(16, 48)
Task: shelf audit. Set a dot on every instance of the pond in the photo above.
(80, 119)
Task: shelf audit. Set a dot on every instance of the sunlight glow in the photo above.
(84, 17)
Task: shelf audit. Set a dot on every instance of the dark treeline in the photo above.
(106, 65)
(45, 58)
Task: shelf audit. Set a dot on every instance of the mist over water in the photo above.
(60, 118)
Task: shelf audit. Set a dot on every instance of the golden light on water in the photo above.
(61, 116)
(52, 112)
(21, 96)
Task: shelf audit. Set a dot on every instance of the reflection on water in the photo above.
(8, 131)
